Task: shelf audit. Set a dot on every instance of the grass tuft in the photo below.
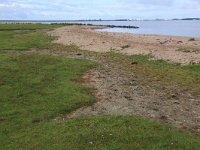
(187, 50)
(192, 39)
(125, 46)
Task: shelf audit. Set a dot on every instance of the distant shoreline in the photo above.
(88, 20)
(174, 27)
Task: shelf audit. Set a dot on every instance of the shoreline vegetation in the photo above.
(109, 26)
(80, 24)
(56, 95)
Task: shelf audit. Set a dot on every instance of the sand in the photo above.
(170, 48)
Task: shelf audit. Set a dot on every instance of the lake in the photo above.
(175, 28)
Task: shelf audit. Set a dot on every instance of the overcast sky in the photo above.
(96, 9)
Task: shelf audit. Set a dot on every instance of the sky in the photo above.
(97, 9)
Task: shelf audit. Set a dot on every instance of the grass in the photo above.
(98, 133)
(38, 88)
(24, 40)
(192, 39)
(125, 46)
(35, 89)
(25, 36)
(187, 50)
(27, 26)
(166, 73)
(160, 73)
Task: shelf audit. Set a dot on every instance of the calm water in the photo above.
(176, 28)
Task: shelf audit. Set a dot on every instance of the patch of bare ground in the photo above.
(120, 92)
(161, 47)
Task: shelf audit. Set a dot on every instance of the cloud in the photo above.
(105, 9)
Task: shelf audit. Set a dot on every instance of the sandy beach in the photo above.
(170, 48)
(120, 92)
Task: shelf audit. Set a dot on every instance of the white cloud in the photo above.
(105, 9)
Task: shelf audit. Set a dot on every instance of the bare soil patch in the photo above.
(120, 92)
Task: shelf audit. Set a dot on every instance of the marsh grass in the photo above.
(25, 36)
(8, 27)
(24, 40)
(158, 72)
(36, 89)
(164, 73)
(105, 132)
(189, 50)
(192, 39)
(125, 46)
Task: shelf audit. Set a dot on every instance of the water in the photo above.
(175, 28)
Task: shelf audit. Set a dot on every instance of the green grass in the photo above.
(38, 88)
(99, 133)
(27, 26)
(160, 73)
(125, 46)
(192, 39)
(166, 73)
(189, 50)
(25, 37)
(24, 40)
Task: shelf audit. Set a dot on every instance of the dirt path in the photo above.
(170, 48)
(119, 92)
